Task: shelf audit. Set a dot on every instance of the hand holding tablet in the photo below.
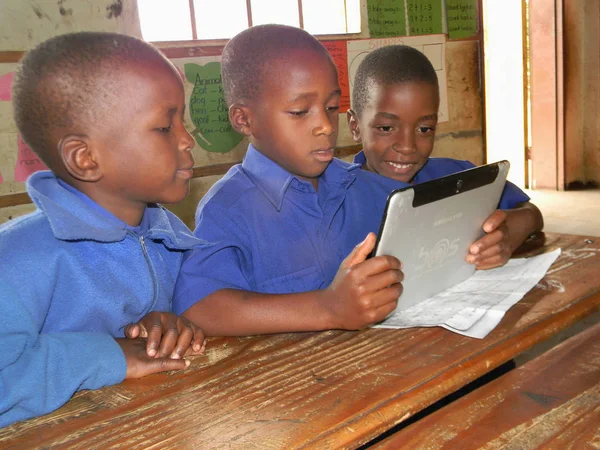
(430, 226)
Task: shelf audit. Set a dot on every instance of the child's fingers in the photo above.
(493, 256)
(185, 338)
(388, 307)
(487, 241)
(375, 266)
(383, 280)
(132, 331)
(494, 221)
(171, 336)
(154, 333)
(360, 252)
(381, 305)
(199, 341)
(139, 364)
(156, 365)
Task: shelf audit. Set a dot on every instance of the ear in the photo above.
(239, 116)
(78, 158)
(353, 124)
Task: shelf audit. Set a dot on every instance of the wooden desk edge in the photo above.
(579, 351)
(487, 360)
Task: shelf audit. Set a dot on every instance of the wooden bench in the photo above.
(552, 401)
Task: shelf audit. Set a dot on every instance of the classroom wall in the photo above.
(25, 23)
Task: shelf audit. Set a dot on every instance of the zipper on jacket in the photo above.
(151, 270)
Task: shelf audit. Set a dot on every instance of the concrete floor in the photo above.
(573, 212)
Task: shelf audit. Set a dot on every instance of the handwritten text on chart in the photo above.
(339, 53)
(386, 18)
(424, 17)
(462, 18)
(208, 109)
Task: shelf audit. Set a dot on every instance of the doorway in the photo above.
(505, 90)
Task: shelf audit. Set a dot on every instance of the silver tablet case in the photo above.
(430, 226)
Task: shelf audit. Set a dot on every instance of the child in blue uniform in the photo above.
(395, 100)
(282, 222)
(87, 280)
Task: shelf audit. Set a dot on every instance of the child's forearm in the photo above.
(230, 312)
(522, 222)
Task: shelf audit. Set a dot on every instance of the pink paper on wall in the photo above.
(5, 85)
(27, 162)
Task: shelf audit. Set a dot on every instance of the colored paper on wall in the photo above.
(424, 17)
(27, 162)
(339, 52)
(386, 18)
(5, 86)
(208, 109)
(462, 18)
(1, 179)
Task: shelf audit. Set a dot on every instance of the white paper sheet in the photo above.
(475, 306)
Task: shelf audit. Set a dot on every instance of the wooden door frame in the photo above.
(547, 94)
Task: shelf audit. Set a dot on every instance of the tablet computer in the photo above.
(430, 227)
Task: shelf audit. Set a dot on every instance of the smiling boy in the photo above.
(283, 221)
(395, 101)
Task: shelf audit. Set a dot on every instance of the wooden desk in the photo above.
(552, 401)
(314, 390)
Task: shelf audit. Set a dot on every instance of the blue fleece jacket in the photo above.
(72, 276)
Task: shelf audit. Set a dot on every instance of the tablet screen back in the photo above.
(430, 226)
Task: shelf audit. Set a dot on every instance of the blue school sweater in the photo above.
(72, 276)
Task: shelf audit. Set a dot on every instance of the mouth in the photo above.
(323, 154)
(185, 173)
(400, 167)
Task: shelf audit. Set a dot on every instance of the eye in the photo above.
(384, 128)
(333, 108)
(297, 113)
(164, 129)
(425, 130)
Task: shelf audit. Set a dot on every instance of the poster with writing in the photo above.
(207, 108)
(27, 161)
(424, 16)
(386, 18)
(5, 86)
(433, 46)
(339, 52)
(462, 18)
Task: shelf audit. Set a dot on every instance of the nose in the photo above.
(186, 144)
(324, 124)
(405, 142)
(186, 141)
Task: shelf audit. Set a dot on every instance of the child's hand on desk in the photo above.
(493, 249)
(364, 291)
(168, 335)
(139, 364)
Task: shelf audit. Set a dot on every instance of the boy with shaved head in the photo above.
(288, 222)
(87, 280)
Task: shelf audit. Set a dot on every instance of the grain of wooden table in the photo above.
(552, 401)
(326, 390)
